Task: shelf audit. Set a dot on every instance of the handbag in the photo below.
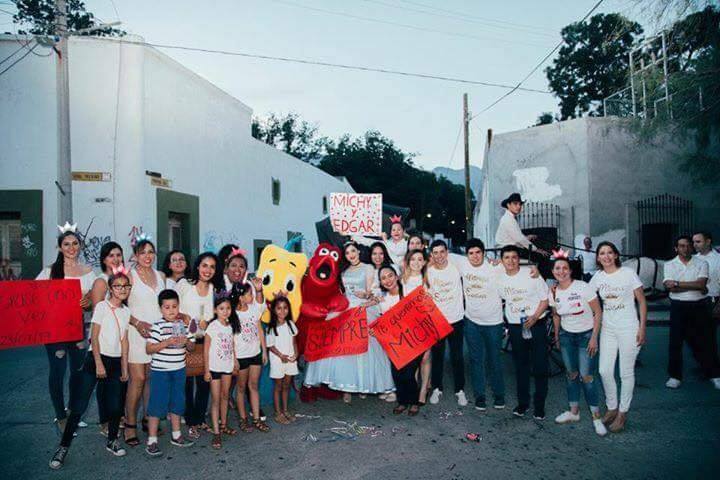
(195, 361)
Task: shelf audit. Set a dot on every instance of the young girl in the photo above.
(219, 364)
(396, 244)
(415, 275)
(283, 362)
(107, 366)
(175, 267)
(251, 352)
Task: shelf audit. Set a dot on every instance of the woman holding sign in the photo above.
(67, 266)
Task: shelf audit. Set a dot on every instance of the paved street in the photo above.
(670, 434)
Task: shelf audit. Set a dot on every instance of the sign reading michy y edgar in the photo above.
(356, 213)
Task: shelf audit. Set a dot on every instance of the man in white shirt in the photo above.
(508, 231)
(589, 260)
(526, 303)
(483, 322)
(690, 320)
(446, 290)
(702, 241)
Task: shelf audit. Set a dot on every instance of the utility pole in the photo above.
(468, 202)
(64, 164)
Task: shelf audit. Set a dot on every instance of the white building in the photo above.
(173, 153)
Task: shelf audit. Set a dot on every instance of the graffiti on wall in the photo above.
(91, 249)
(213, 241)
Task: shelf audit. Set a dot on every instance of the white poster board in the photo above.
(356, 213)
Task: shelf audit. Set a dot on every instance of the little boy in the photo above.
(167, 344)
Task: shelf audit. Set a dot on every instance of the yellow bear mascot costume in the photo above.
(282, 271)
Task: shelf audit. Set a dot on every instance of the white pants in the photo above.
(624, 342)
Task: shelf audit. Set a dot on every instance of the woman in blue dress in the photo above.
(367, 372)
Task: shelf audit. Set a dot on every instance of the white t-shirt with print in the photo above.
(220, 356)
(247, 342)
(521, 292)
(483, 304)
(617, 291)
(446, 290)
(113, 328)
(413, 282)
(573, 306)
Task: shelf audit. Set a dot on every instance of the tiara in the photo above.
(67, 228)
(396, 219)
(559, 253)
(222, 294)
(142, 236)
(237, 251)
(121, 270)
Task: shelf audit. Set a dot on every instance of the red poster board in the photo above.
(346, 334)
(36, 312)
(411, 327)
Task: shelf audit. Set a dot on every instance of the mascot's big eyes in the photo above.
(335, 256)
(267, 278)
(290, 283)
(323, 252)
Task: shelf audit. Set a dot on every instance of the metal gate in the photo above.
(541, 219)
(661, 219)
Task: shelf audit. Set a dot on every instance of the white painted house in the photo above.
(173, 153)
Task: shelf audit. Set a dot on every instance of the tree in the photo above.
(37, 17)
(592, 64)
(290, 134)
(545, 118)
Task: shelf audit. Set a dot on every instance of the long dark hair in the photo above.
(57, 269)
(615, 250)
(224, 253)
(272, 325)
(105, 251)
(166, 264)
(194, 278)
(386, 254)
(344, 264)
(233, 319)
(399, 283)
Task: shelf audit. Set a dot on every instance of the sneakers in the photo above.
(153, 450)
(461, 399)
(115, 448)
(391, 397)
(58, 460)
(716, 383)
(539, 414)
(82, 424)
(480, 404)
(383, 396)
(499, 404)
(520, 411)
(599, 427)
(435, 396)
(181, 442)
(673, 383)
(568, 417)
(104, 429)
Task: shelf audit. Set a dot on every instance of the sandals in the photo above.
(290, 416)
(399, 409)
(245, 426)
(261, 426)
(205, 427)
(133, 441)
(281, 419)
(217, 441)
(414, 410)
(225, 430)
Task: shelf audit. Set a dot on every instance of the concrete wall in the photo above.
(134, 109)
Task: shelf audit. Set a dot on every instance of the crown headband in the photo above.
(68, 228)
(396, 219)
(559, 254)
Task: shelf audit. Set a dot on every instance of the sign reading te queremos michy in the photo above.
(410, 327)
(356, 213)
(35, 312)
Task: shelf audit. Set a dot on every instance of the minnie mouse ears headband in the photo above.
(237, 251)
(559, 254)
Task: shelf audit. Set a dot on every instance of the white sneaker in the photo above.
(461, 398)
(568, 417)
(382, 396)
(599, 427)
(391, 397)
(82, 424)
(673, 383)
(435, 396)
(716, 383)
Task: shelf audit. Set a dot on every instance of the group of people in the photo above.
(148, 329)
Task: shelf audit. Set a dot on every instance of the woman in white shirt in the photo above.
(622, 335)
(175, 267)
(576, 318)
(415, 275)
(67, 266)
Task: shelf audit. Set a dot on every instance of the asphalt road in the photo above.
(670, 434)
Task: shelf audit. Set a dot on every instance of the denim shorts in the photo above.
(167, 393)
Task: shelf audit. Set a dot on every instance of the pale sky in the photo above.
(487, 41)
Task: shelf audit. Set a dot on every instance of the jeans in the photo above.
(197, 394)
(406, 385)
(167, 393)
(530, 354)
(455, 340)
(613, 342)
(484, 345)
(692, 322)
(109, 394)
(58, 355)
(580, 368)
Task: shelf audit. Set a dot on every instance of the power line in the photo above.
(457, 141)
(19, 59)
(539, 64)
(402, 25)
(11, 55)
(332, 65)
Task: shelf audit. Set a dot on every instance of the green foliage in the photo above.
(37, 17)
(545, 118)
(592, 64)
(290, 134)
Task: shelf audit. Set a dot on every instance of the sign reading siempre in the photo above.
(356, 213)
(346, 334)
(411, 327)
(35, 312)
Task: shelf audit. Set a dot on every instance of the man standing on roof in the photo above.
(509, 232)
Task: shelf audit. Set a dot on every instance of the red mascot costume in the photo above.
(321, 295)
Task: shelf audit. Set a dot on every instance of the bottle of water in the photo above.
(526, 333)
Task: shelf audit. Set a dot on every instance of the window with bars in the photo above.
(11, 244)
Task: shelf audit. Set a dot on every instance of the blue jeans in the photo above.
(167, 393)
(59, 354)
(581, 368)
(484, 344)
